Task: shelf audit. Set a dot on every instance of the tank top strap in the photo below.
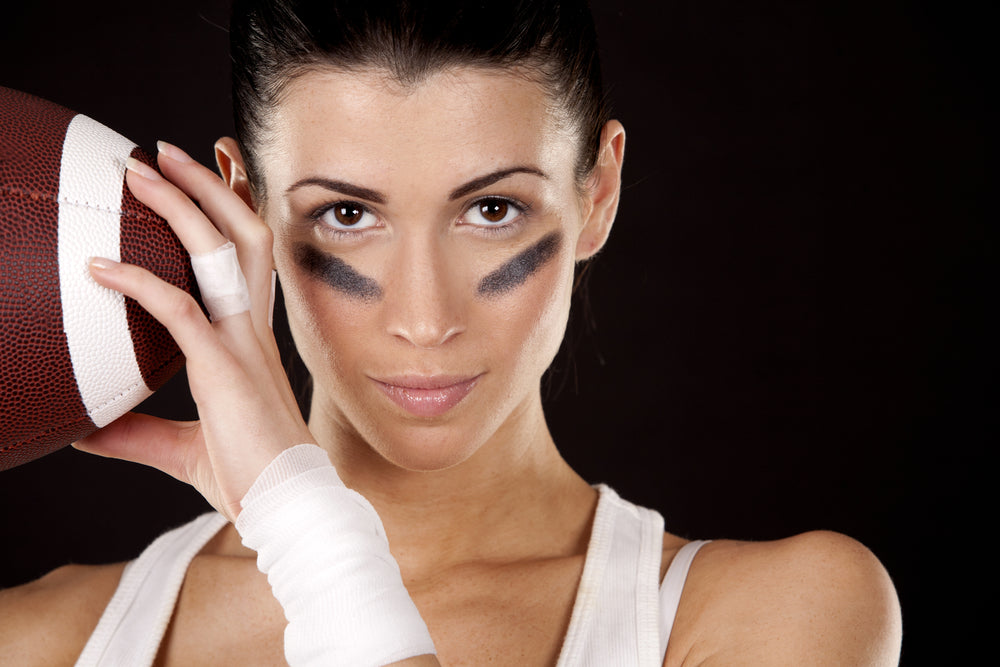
(615, 618)
(133, 624)
(673, 586)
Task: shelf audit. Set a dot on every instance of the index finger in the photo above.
(197, 233)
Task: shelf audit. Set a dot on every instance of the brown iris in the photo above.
(348, 213)
(493, 210)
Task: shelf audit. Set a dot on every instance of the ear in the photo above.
(601, 192)
(232, 169)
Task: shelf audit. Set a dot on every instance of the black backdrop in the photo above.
(787, 330)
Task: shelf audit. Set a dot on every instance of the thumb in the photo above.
(169, 446)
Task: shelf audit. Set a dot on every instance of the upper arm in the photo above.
(819, 598)
(48, 621)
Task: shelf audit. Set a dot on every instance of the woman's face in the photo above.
(425, 237)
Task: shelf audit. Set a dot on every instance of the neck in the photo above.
(486, 508)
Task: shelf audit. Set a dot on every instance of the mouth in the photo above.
(426, 395)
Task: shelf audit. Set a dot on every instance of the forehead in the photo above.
(452, 125)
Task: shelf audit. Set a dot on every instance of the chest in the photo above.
(516, 614)
(512, 614)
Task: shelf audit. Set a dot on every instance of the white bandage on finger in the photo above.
(220, 279)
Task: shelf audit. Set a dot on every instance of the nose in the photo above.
(423, 300)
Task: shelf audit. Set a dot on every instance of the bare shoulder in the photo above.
(819, 598)
(48, 621)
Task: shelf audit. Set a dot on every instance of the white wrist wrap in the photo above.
(326, 556)
(220, 281)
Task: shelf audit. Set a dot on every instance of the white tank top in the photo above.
(622, 615)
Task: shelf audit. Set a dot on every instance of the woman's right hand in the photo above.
(246, 408)
(323, 546)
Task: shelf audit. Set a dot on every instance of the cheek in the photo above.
(529, 320)
(532, 293)
(326, 325)
(324, 296)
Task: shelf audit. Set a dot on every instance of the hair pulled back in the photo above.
(551, 41)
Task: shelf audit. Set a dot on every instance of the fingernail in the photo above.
(102, 263)
(142, 169)
(172, 152)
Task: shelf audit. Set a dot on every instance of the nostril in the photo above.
(450, 334)
(427, 337)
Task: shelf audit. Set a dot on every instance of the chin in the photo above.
(427, 448)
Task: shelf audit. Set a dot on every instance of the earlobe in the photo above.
(232, 169)
(602, 192)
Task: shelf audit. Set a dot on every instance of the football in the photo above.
(74, 356)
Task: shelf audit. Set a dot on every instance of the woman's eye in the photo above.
(493, 212)
(348, 216)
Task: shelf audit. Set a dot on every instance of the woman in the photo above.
(425, 185)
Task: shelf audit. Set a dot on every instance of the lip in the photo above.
(426, 395)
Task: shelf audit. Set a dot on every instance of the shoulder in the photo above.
(816, 598)
(48, 621)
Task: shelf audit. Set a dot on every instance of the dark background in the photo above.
(787, 331)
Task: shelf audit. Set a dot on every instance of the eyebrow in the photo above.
(490, 179)
(377, 197)
(342, 187)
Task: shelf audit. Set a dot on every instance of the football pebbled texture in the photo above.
(74, 356)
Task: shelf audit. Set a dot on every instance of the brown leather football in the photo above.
(74, 356)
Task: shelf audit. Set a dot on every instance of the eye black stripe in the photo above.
(337, 273)
(519, 268)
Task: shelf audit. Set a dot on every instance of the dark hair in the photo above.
(552, 42)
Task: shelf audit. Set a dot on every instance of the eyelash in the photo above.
(521, 210)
